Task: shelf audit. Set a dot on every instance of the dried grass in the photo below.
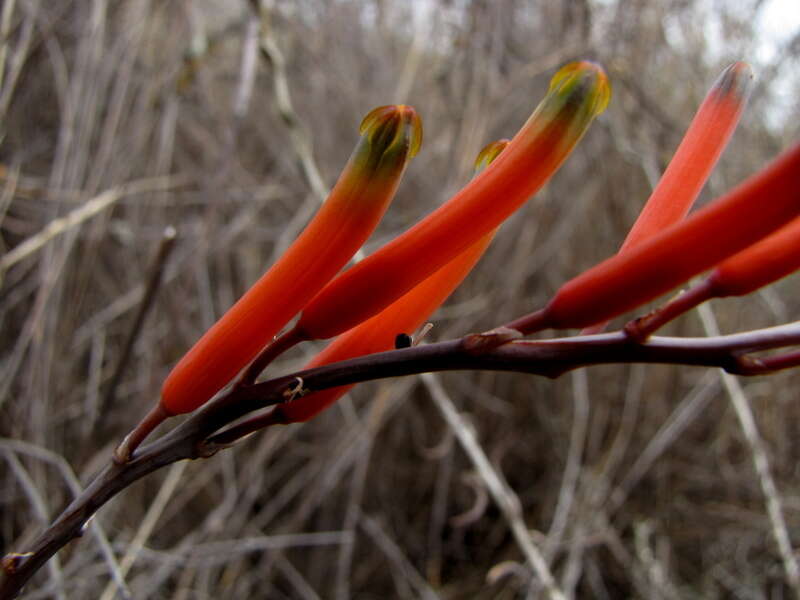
(633, 481)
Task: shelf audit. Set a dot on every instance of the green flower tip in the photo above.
(490, 151)
(393, 127)
(583, 81)
(736, 80)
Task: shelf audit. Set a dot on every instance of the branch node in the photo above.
(84, 527)
(744, 364)
(637, 330)
(124, 452)
(13, 561)
(642, 328)
(206, 449)
(481, 343)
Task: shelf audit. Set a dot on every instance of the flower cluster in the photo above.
(750, 237)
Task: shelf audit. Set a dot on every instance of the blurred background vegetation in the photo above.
(228, 119)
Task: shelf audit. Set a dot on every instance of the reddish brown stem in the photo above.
(643, 327)
(271, 351)
(768, 364)
(246, 427)
(531, 323)
(157, 415)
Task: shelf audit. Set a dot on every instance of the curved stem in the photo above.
(157, 415)
(530, 323)
(640, 329)
(271, 351)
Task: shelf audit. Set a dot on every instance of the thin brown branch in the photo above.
(686, 300)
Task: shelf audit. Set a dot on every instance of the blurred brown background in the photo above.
(227, 120)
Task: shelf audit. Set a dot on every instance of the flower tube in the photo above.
(765, 262)
(769, 260)
(697, 154)
(378, 333)
(405, 315)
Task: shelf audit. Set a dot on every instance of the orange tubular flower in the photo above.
(749, 212)
(403, 316)
(578, 93)
(767, 261)
(697, 154)
(390, 136)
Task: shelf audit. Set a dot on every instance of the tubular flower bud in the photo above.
(698, 153)
(390, 136)
(774, 257)
(577, 94)
(378, 333)
(405, 315)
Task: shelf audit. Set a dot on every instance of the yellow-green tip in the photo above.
(490, 151)
(393, 127)
(582, 82)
